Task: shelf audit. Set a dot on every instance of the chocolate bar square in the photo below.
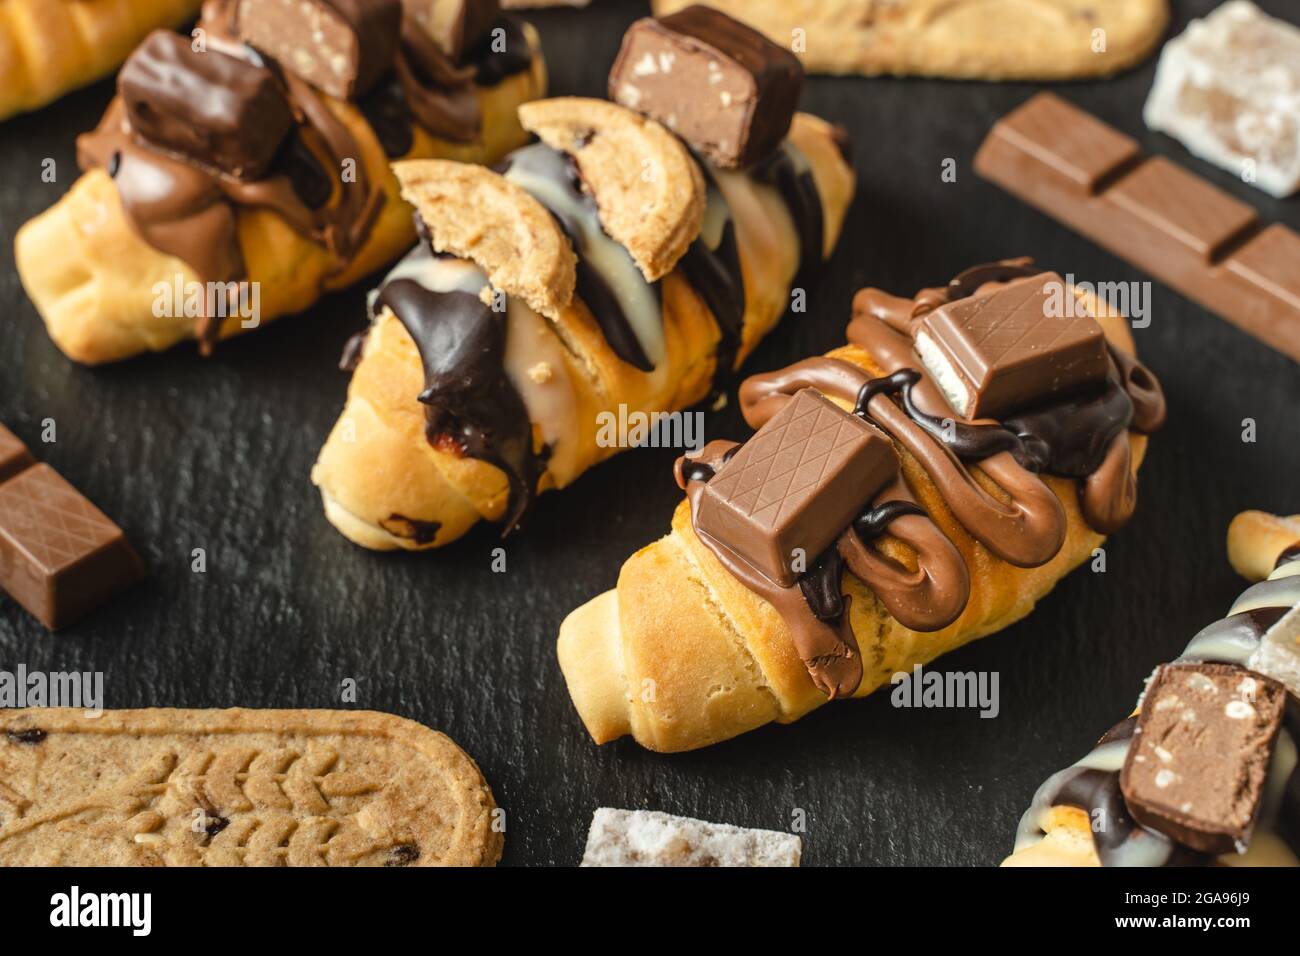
(14, 456)
(455, 25)
(1201, 752)
(726, 89)
(1007, 349)
(217, 110)
(798, 483)
(60, 556)
(341, 47)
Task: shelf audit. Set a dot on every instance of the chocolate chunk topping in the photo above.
(1200, 754)
(722, 86)
(403, 854)
(341, 47)
(1007, 349)
(470, 399)
(215, 110)
(215, 824)
(794, 487)
(31, 736)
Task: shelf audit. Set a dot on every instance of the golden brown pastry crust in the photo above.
(92, 276)
(682, 655)
(50, 47)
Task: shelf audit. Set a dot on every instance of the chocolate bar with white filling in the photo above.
(1201, 752)
(792, 489)
(1011, 348)
(341, 47)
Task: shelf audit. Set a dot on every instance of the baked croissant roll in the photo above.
(51, 47)
(1205, 771)
(242, 173)
(630, 291)
(839, 548)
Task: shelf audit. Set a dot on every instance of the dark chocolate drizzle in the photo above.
(492, 66)
(470, 398)
(798, 190)
(716, 275)
(560, 168)
(871, 524)
(1288, 555)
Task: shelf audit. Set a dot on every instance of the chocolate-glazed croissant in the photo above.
(633, 289)
(220, 169)
(50, 47)
(693, 647)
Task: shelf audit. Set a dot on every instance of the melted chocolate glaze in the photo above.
(820, 585)
(715, 274)
(469, 396)
(386, 111)
(798, 190)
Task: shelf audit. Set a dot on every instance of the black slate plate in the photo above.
(190, 453)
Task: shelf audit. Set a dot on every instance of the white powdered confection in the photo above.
(944, 375)
(1278, 654)
(651, 838)
(1229, 89)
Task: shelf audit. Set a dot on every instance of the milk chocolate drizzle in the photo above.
(190, 211)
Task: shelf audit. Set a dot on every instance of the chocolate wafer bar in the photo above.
(60, 556)
(999, 351)
(14, 456)
(797, 484)
(1152, 213)
(1201, 752)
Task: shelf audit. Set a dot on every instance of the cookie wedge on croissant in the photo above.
(1225, 792)
(51, 47)
(962, 529)
(223, 190)
(602, 267)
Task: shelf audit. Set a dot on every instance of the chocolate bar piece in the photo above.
(341, 47)
(60, 557)
(1200, 754)
(1011, 348)
(797, 484)
(215, 109)
(1227, 89)
(726, 89)
(1151, 213)
(456, 26)
(14, 456)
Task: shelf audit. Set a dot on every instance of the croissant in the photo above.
(663, 273)
(1082, 816)
(694, 647)
(101, 271)
(49, 47)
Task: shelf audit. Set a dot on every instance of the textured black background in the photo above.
(186, 452)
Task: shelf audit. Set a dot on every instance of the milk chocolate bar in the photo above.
(797, 484)
(341, 47)
(455, 25)
(60, 556)
(215, 109)
(1227, 89)
(1200, 754)
(14, 456)
(1010, 348)
(1151, 213)
(723, 87)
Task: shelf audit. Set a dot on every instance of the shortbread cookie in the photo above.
(238, 788)
(651, 838)
(962, 39)
(655, 215)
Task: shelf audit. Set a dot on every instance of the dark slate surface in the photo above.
(189, 453)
